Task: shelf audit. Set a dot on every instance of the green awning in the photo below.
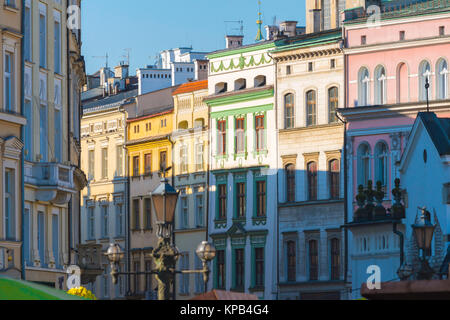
(12, 289)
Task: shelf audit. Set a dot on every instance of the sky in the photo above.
(150, 26)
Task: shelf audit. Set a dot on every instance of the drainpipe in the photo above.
(69, 208)
(207, 189)
(22, 135)
(127, 197)
(174, 297)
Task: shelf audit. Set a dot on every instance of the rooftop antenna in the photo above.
(128, 50)
(239, 30)
(103, 57)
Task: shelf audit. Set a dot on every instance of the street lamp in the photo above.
(165, 255)
(423, 232)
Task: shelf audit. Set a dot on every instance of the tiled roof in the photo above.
(439, 131)
(191, 87)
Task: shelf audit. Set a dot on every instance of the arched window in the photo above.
(289, 111)
(199, 123)
(240, 84)
(333, 104)
(424, 74)
(442, 79)
(313, 253)
(335, 256)
(402, 83)
(312, 180)
(363, 164)
(311, 109)
(221, 87)
(333, 178)
(291, 261)
(183, 125)
(363, 87)
(290, 183)
(260, 81)
(381, 164)
(380, 85)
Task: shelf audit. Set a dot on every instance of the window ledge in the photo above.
(256, 288)
(241, 155)
(11, 8)
(13, 117)
(258, 221)
(219, 224)
(221, 157)
(261, 152)
(242, 220)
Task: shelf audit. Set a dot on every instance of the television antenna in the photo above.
(103, 57)
(238, 28)
(127, 56)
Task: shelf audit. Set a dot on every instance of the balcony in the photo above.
(89, 261)
(56, 182)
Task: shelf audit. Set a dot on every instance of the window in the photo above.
(91, 223)
(291, 261)
(363, 87)
(441, 30)
(312, 181)
(163, 159)
(58, 121)
(333, 104)
(222, 137)
(334, 179)
(380, 85)
(240, 135)
(120, 226)
(42, 36)
(27, 33)
(261, 198)
(147, 214)
(105, 163)
(424, 76)
(28, 138)
(222, 201)
(289, 120)
(311, 108)
(239, 268)
(199, 156)
(199, 283)
(332, 63)
(136, 166)
(199, 210)
(363, 40)
(55, 239)
(290, 183)
(288, 70)
(184, 265)
(27, 237)
(310, 66)
(91, 160)
(402, 35)
(43, 132)
(10, 221)
(240, 84)
(136, 213)
(220, 269)
(57, 41)
(442, 79)
(335, 259)
(119, 160)
(137, 268)
(148, 277)
(381, 164)
(221, 87)
(313, 260)
(240, 199)
(259, 267)
(184, 210)
(9, 82)
(260, 81)
(105, 221)
(41, 237)
(148, 163)
(363, 164)
(260, 130)
(184, 159)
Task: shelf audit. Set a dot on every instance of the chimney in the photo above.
(316, 13)
(121, 71)
(104, 76)
(271, 32)
(289, 28)
(234, 41)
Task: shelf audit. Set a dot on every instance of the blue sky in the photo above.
(150, 26)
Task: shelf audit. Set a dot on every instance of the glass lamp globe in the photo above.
(206, 251)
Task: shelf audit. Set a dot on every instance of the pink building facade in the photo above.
(388, 63)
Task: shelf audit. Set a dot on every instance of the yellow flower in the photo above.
(82, 292)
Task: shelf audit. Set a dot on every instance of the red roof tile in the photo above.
(191, 87)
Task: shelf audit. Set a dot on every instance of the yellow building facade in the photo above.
(149, 147)
(191, 150)
(11, 146)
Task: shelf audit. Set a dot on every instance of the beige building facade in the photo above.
(191, 150)
(11, 123)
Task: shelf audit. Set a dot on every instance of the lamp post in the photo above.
(423, 232)
(165, 255)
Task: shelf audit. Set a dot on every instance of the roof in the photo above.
(109, 101)
(439, 131)
(309, 39)
(191, 87)
(225, 295)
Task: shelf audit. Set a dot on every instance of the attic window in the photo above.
(363, 40)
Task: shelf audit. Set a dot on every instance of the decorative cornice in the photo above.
(292, 55)
(240, 96)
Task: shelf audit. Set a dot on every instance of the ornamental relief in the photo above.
(242, 63)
